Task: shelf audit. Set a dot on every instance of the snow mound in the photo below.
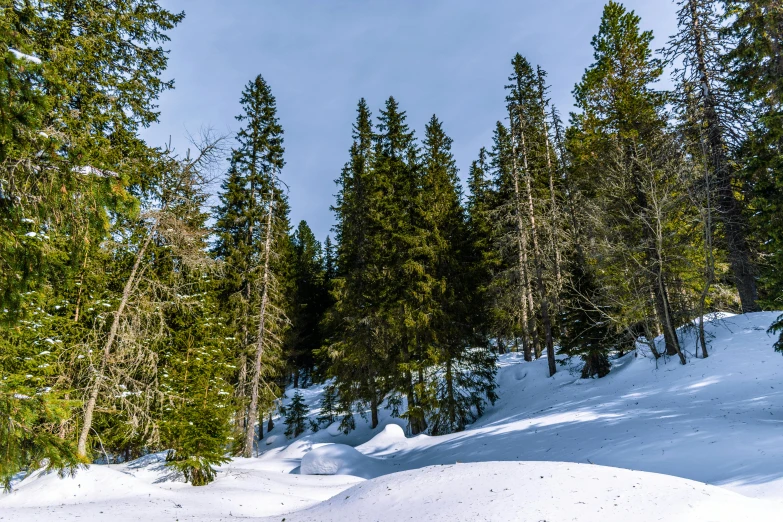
(391, 439)
(339, 459)
(554, 491)
(87, 485)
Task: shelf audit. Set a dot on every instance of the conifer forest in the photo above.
(160, 300)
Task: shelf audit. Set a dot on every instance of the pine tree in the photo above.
(620, 136)
(512, 314)
(406, 291)
(589, 332)
(74, 155)
(463, 369)
(296, 416)
(252, 232)
(330, 270)
(482, 257)
(329, 406)
(713, 114)
(756, 74)
(194, 356)
(121, 359)
(529, 141)
(309, 304)
(358, 350)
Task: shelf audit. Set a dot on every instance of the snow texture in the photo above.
(551, 491)
(21, 56)
(699, 442)
(339, 459)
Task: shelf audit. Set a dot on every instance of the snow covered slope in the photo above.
(717, 421)
(535, 491)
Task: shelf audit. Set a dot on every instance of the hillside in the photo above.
(697, 442)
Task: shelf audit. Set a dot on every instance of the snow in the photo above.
(339, 459)
(21, 56)
(555, 491)
(651, 441)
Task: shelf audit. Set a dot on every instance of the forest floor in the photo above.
(651, 441)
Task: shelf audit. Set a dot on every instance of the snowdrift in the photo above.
(552, 491)
(699, 442)
(339, 459)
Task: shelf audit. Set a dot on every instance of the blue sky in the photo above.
(444, 57)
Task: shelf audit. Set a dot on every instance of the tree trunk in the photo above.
(89, 409)
(742, 267)
(374, 411)
(252, 414)
(537, 262)
(553, 226)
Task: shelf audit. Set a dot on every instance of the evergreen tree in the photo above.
(296, 416)
(252, 230)
(359, 351)
(309, 303)
(406, 290)
(330, 269)
(756, 74)
(160, 254)
(530, 163)
(483, 258)
(329, 406)
(69, 149)
(71, 170)
(589, 332)
(464, 368)
(194, 355)
(620, 146)
(511, 298)
(713, 117)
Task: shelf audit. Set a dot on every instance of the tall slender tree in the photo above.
(530, 149)
(716, 116)
(252, 238)
(358, 348)
(465, 380)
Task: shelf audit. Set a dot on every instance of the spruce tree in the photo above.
(510, 292)
(252, 232)
(530, 163)
(713, 113)
(329, 406)
(756, 74)
(309, 304)
(621, 137)
(483, 258)
(194, 356)
(296, 416)
(589, 333)
(407, 289)
(359, 350)
(70, 124)
(463, 369)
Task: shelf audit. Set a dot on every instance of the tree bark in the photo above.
(252, 416)
(537, 262)
(89, 409)
(742, 267)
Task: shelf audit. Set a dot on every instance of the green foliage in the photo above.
(309, 303)
(296, 416)
(777, 327)
(329, 406)
(587, 329)
(252, 238)
(755, 69)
